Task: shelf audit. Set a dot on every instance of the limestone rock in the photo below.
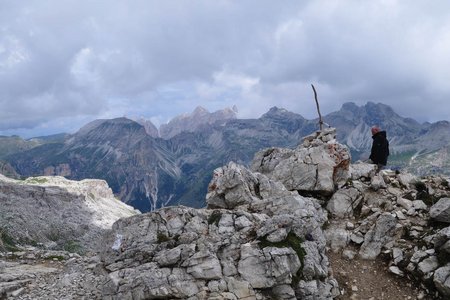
(315, 289)
(259, 239)
(319, 165)
(54, 210)
(337, 238)
(440, 211)
(428, 265)
(441, 279)
(419, 205)
(377, 182)
(406, 179)
(362, 170)
(343, 202)
(234, 185)
(405, 203)
(441, 237)
(380, 234)
(395, 270)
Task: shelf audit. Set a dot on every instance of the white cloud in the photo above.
(61, 60)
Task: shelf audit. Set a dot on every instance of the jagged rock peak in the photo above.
(276, 112)
(190, 122)
(350, 106)
(150, 128)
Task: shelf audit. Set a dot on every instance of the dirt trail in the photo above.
(366, 279)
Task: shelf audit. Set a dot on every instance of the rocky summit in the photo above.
(267, 232)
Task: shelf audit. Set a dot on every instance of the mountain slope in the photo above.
(117, 150)
(408, 139)
(149, 172)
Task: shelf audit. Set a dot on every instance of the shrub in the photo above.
(36, 180)
(215, 217)
(73, 247)
(161, 237)
(7, 243)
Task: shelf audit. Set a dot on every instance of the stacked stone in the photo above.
(318, 165)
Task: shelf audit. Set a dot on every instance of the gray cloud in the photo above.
(65, 62)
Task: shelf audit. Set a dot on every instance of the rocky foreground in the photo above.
(265, 234)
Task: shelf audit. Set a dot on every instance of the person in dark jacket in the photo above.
(380, 148)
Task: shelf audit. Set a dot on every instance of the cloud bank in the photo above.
(63, 63)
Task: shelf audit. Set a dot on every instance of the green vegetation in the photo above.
(73, 247)
(161, 238)
(7, 243)
(55, 257)
(36, 180)
(215, 217)
(291, 241)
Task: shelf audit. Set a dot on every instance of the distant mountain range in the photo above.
(150, 168)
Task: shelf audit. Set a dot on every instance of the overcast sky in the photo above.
(65, 63)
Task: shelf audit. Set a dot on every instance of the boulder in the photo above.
(343, 202)
(441, 238)
(440, 211)
(320, 165)
(379, 235)
(377, 182)
(337, 238)
(441, 280)
(362, 170)
(406, 179)
(428, 265)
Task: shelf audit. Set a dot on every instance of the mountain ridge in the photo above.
(150, 172)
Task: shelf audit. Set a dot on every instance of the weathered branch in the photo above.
(318, 109)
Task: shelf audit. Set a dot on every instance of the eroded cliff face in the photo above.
(192, 122)
(58, 213)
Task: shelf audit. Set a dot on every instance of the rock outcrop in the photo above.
(256, 240)
(399, 219)
(58, 213)
(441, 210)
(319, 165)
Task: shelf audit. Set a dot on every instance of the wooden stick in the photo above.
(318, 109)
